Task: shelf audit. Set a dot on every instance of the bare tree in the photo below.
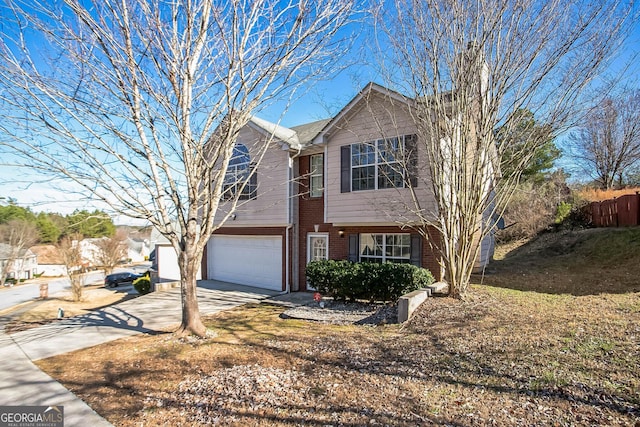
(71, 254)
(111, 250)
(138, 103)
(469, 68)
(18, 236)
(608, 142)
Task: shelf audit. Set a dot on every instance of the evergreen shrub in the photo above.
(345, 280)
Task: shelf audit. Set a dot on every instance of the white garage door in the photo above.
(246, 260)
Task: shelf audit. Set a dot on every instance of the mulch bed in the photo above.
(344, 313)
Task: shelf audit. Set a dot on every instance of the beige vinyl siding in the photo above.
(269, 208)
(487, 248)
(374, 119)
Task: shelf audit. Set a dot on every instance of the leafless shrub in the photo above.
(111, 251)
(71, 255)
(532, 209)
(18, 236)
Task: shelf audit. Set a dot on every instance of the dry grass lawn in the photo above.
(45, 311)
(560, 351)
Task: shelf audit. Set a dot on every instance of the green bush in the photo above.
(562, 212)
(142, 285)
(346, 280)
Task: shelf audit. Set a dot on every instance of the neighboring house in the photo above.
(50, 263)
(90, 251)
(331, 189)
(137, 249)
(21, 265)
(164, 261)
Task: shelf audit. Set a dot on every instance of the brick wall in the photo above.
(339, 246)
(311, 213)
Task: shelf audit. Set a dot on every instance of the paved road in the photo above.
(12, 296)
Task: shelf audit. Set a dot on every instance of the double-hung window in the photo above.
(390, 168)
(316, 175)
(385, 248)
(379, 164)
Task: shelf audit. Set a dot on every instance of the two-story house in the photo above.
(17, 263)
(342, 188)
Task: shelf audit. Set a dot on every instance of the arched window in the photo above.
(240, 179)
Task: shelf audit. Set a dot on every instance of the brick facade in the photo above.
(311, 213)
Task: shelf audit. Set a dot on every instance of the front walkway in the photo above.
(22, 383)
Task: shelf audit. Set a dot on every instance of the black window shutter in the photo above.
(411, 152)
(345, 169)
(416, 250)
(354, 249)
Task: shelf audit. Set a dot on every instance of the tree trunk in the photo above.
(191, 321)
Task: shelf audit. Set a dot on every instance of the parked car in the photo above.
(115, 279)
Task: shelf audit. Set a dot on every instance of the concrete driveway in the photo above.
(146, 314)
(22, 383)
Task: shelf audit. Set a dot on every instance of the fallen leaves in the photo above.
(502, 357)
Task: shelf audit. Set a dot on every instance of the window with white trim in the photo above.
(377, 164)
(240, 179)
(385, 248)
(316, 175)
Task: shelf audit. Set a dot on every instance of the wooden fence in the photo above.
(623, 211)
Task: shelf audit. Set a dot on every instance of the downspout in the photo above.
(286, 273)
(292, 259)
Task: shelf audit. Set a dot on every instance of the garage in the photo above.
(246, 260)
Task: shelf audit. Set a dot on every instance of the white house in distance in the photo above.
(164, 260)
(20, 266)
(50, 263)
(137, 249)
(89, 251)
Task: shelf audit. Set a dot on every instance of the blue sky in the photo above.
(322, 100)
(314, 102)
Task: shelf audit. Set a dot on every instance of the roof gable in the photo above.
(47, 255)
(357, 103)
(6, 252)
(285, 135)
(301, 136)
